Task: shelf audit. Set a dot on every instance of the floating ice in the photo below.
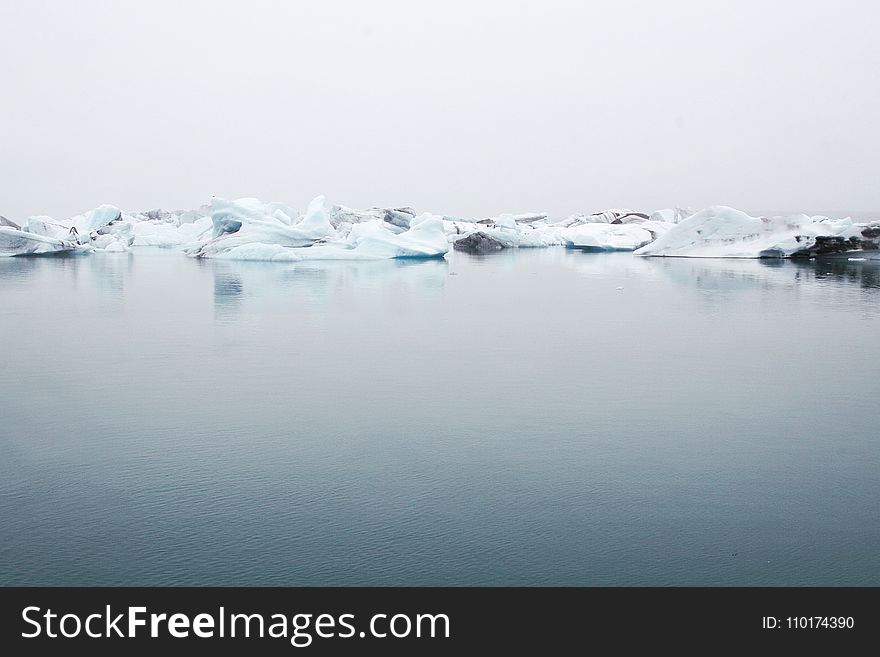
(506, 231)
(103, 229)
(612, 230)
(16, 242)
(247, 222)
(96, 219)
(246, 230)
(342, 217)
(48, 227)
(171, 234)
(607, 237)
(722, 232)
(249, 229)
(605, 217)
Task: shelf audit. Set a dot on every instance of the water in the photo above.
(512, 419)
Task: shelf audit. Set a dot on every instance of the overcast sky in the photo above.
(468, 108)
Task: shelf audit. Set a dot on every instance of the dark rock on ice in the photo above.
(478, 243)
(829, 245)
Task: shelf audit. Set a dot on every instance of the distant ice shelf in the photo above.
(249, 229)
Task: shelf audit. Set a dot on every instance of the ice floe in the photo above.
(613, 230)
(14, 241)
(249, 229)
(105, 228)
(722, 232)
(613, 237)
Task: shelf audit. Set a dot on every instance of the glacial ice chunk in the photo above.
(607, 237)
(48, 227)
(723, 232)
(244, 230)
(15, 242)
(95, 219)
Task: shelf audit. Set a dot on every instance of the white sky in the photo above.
(459, 107)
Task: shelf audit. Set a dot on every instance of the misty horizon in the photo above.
(445, 107)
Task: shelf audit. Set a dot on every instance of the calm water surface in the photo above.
(535, 417)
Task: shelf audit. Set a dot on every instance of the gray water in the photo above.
(512, 419)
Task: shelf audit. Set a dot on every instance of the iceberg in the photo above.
(723, 232)
(612, 230)
(246, 222)
(607, 237)
(342, 217)
(425, 238)
(48, 227)
(247, 230)
(170, 234)
(613, 216)
(507, 231)
(96, 219)
(168, 229)
(243, 229)
(105, 228)
(17, 242)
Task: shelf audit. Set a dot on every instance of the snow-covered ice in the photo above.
(105, 228)
(613, 230)
(14, 242)
(249, 229)
(722, 232)
(612, 237)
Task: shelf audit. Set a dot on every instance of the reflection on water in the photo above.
(228, 290)
(833, 281)
(866, 274)
(319, 282)
(720, 274)
(534, 417)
